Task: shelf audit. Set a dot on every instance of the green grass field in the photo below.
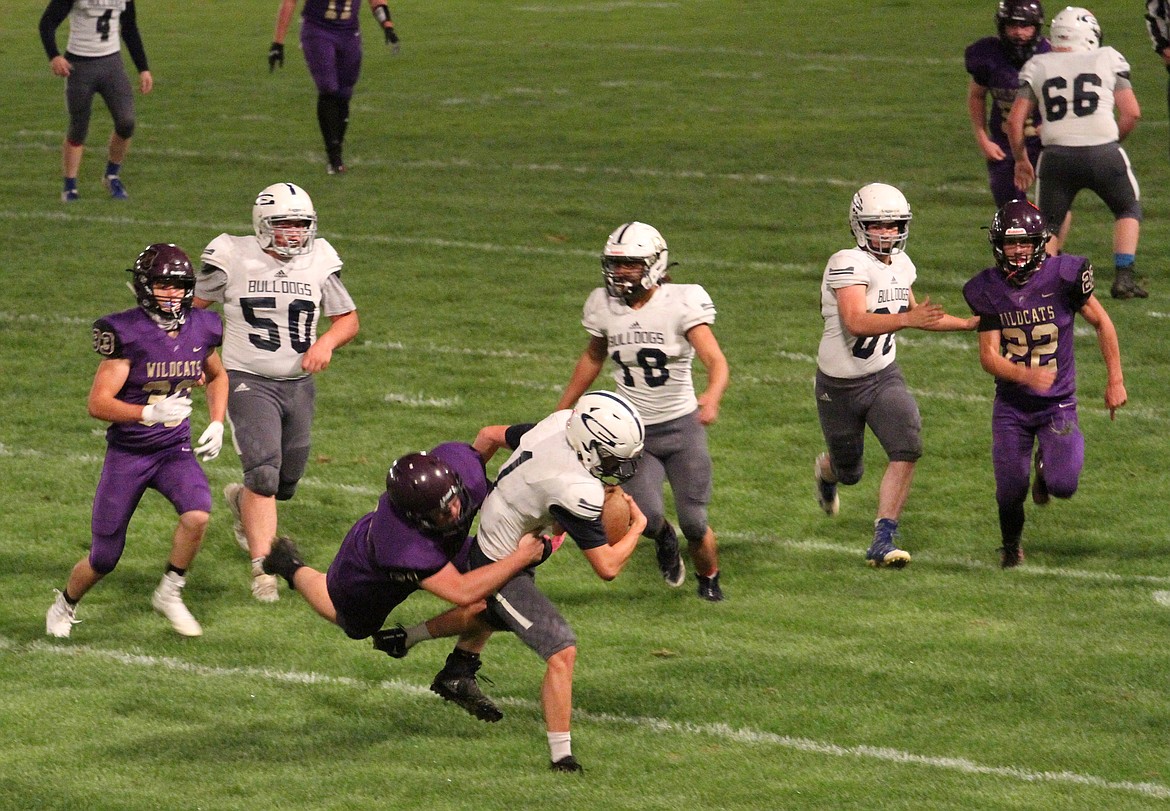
(488, 163)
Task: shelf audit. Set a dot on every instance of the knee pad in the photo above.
(105, 552)
(285, 491)
(124, 129)
(849, 476)
(263, 480)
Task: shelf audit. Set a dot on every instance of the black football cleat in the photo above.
(283, 559)
(391, 641)
(566, 764)
(463, 689)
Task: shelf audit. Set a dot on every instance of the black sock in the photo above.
(330, 119)
(173, 568)
(1011, 521)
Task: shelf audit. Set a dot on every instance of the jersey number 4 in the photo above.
(302, 314)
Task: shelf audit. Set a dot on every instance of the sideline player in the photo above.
(152, 356)
(92, 64)
(1026, 306)
(867, 296)
(274, 287)
(332, 43)
(652, 331)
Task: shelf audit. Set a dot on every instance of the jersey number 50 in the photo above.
(302, 315)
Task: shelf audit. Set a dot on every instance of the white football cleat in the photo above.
(61, 617)
(168, 601)
(231, 494)
(263, 585)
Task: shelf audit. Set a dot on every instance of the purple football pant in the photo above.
(334, 59)
(126, 475)
(1062, 447)
(1001, 175)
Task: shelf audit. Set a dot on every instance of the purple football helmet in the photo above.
(421, 488)
(1020, 12)
(1019, 221)
(164, 264)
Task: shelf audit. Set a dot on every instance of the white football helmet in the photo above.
(280, 206)
(606, 432)
(1077, 29)
(880, 202)
(634, 243)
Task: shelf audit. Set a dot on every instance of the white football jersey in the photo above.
(649, 347)
(541, 472)
(1074, 91)
(95, 27)
(271, 306)
(887, 290)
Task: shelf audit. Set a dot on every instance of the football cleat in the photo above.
(168, 601)
(231, 494)
(566, 764)
(670, 562)
(1011, 555)
(1125, 285)
(827, 496)
(263, 585)
(114, 186)
(883, 552)
(1039, 485)
(391, 641)
(460, 687)
(70, 196)
(335, 168)
(709, 588)
(61, 617)
(283, 559)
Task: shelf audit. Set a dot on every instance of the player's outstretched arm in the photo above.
(465, 589)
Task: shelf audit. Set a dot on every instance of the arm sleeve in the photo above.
(587, 534)
(132, 38)
(55, 14)
(513, 434)
(210, 283)
(335, 299)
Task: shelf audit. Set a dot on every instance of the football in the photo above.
(615, 514)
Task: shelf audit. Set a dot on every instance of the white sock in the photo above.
(417, 633)
(559, 745)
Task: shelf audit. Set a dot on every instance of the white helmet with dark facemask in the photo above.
(634, 243)
(880, 203)
(287, 207)
(606, 432)
(1076, 29)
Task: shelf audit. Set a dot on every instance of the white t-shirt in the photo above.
(1074, 91)
(649, 347)
(887, 290)
(95, 27)
(271, 306)
(541, 472)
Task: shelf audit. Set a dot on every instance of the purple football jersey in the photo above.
(159, 366)
(989, 66)
(1035, 322)
(336, 15)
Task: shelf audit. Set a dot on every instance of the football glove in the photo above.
(392, 39)
(382, 15)
(210, 442)
(275, 56)
(169, 411)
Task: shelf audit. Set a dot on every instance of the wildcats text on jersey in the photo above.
(174, 368)
(1024, 318)
(280, 286)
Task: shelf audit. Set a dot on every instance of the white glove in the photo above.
(210, 442)
(170, 410)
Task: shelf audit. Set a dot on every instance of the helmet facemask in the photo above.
(1019, 13)
(284, 220)
(1018, 222)
(607, 434)
(880, 203)
(164, 265)
(634, 244)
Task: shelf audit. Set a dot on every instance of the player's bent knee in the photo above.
(849, 476)
(103, 561)
(263, 480)
(286, 490)
(124, 130)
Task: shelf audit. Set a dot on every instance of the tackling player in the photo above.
(652, 331)
(92, 64)
(867, 296)
(274, 288)
(152, 356)
(1026, 306)
(553, 483)
(1077, 87)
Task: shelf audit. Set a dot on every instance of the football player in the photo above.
(652, 331)
(867, 296)
(994, 65)
(332, 44)
(1026, 306)
(1080, 84)
(274, 287)
(92, 64)
(552, 484)
(412, 540)
(152, 356)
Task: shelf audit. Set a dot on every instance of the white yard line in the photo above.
(662, 726)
